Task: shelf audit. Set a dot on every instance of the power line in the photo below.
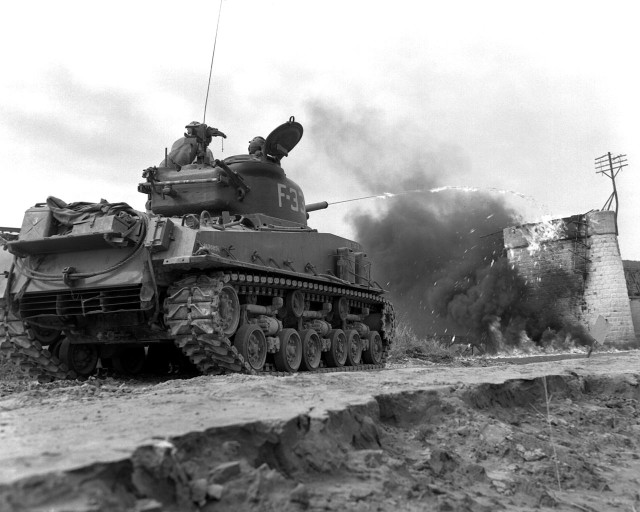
(610, 166)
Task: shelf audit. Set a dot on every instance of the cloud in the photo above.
(114, 130)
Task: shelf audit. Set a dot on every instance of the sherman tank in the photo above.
(221, 270)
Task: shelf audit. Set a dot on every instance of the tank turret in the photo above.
(190, 181)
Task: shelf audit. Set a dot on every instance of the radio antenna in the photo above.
(213, 54)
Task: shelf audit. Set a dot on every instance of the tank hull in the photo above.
(180, 283)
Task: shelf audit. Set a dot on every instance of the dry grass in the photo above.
(408, 344)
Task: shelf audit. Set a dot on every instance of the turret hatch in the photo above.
(283, 139)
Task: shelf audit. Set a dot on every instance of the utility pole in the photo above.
(610, 166)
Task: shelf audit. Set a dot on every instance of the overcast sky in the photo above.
(500, 95)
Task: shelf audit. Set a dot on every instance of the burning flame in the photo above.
(540, 233)
(435, 190)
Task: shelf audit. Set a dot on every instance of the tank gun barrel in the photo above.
(316, 206)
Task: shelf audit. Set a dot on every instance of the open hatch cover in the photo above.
(283, 139)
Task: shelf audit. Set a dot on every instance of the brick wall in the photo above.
(574, 265)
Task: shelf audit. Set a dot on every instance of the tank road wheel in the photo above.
(294, 303)
(374, 354)
(311, 350)
(252, 345)
(289, 356)
(129, 360)
(354, 354)
(336, 356)
(341, 308)
(81, 358)
(229, 309)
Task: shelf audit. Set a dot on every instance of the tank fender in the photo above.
(171, 239)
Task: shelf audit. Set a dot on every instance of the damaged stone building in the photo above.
(574, 265)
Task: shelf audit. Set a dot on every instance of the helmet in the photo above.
(256, 144)
(191, 128)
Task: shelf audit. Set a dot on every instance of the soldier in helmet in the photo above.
(191, 127)
(185, 150)
(256, 147)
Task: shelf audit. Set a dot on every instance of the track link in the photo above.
(28, 354)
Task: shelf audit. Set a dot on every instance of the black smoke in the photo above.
(440, 254)
(441, 257)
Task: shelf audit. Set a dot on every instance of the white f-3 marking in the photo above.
(291, 195)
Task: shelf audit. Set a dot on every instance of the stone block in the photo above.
(604, 292)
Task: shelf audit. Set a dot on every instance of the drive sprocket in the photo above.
(196, 319)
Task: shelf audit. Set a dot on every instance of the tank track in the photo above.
(27, 353)
(193, 319)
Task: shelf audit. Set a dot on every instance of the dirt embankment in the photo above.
(561, 435)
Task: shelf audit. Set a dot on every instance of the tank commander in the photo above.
(256, 147)
(184, 151)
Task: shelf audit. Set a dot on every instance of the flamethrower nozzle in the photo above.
(316, 206)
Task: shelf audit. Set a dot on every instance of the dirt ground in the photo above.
(561, 435)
